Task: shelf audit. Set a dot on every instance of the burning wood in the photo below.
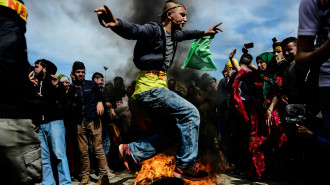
(159, 170)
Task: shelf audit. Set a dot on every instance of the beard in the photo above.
(40, 76)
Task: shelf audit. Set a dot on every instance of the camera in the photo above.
(295, 114)
(296, 120)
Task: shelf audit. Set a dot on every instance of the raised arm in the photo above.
(213, 30)
(181, 35)
(106, 17)
(123, 28)
(307, 56)
(235, 65)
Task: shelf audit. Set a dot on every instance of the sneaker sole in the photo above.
(180, 176)
(125, 160)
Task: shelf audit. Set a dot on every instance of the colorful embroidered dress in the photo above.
(264, 140)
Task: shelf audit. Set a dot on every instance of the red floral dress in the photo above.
(264, 140)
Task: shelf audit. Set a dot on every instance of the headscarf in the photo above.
(266, 57)
(270, 80)
(64, 78)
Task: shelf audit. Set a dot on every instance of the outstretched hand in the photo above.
(213, 30)
(232, 54)
(106, 18)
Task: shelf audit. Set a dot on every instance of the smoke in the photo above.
(144, 11)
(62, 26)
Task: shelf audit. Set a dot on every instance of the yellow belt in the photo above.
(16, 6)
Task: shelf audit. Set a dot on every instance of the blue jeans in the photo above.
(52, 137)
(178, 122)
(106, 138)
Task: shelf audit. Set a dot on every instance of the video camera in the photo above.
(295, 114)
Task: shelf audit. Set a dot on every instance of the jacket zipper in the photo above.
(82, 102)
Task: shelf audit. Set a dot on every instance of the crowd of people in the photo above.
(269, 121)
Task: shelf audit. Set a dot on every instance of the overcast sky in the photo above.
(67, 31)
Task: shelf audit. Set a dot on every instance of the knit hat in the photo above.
(51, 68)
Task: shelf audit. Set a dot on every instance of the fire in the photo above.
(161, 167)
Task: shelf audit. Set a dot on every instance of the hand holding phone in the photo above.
(249, 45)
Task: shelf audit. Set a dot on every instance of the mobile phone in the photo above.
(274, 39)
(249, 45)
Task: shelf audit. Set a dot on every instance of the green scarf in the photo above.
(266, 57)
(199, 56)
(268, 81)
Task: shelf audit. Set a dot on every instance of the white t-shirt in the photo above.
(314, 20)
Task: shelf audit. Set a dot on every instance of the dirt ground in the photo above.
(127, 178)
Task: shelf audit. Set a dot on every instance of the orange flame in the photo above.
(162, 166)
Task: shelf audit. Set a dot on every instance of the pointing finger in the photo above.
(218, 24)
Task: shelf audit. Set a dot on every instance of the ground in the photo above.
(127, 178)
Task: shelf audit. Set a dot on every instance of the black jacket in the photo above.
(150, 48)
(52, 101)
(18, 98)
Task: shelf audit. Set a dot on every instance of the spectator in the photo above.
(313, 22)
(173, 86)
(224, 94)
(214, 84)
(119, 101)
(129, 91)
(243, 94)
(292, 79)
(277, 50)
(65, 81)
(191, 95)
(19, 103)
(51, 130)
(222, 89)
(71, 135)
(85, 100)
(98, 78)
(267, 134)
